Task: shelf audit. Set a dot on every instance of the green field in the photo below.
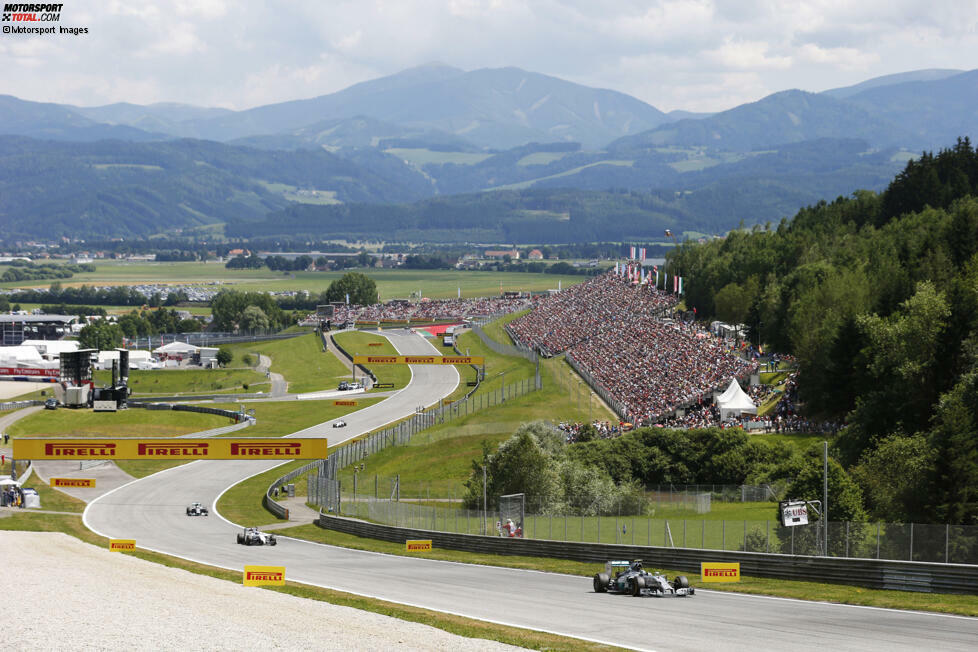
(134, 422)
(189, 381)
(301, 360)
(391, 283)
(421, 157)
(280, 418)
(356, 343)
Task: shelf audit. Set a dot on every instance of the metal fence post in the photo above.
(877, 539)
(911, 542)
(947, 541)
(723, 535)
(767, 546)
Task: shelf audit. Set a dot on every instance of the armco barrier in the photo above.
(869, 573)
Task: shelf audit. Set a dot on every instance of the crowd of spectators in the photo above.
(653, 367)
(598, 429)
(616, 332)
(562, 320)
(430, 310)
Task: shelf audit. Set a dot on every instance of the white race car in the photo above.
(252, 536)
(196, 509)
(339, 423)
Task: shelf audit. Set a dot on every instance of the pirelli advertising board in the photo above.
(73, 483)
(122, 545)
(263, 576)
(344, 402)
(247, 448)
(720, 572)
(419, 359)
(417, 545)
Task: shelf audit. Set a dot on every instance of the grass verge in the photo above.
(459, 625)
(186, 381)
(300, 360)
(88, 423)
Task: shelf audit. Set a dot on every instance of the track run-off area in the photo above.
(151, 511)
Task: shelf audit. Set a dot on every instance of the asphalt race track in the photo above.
(151, 511)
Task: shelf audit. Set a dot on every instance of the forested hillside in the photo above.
(877, 296)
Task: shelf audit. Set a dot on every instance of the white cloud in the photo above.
(703, 55)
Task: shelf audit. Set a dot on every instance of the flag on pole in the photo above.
(558, 285)
(680, 285)
(632, 254)
(616, 267)
(675, 284)
(641, 253)
(460, 292)
(656, 278)
(347, 298)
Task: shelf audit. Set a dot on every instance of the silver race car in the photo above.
(196, 509)
(252, 536)
(631, 578)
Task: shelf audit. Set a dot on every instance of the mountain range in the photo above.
(436, 130)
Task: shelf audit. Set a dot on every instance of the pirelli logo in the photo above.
(347, 402)
(418, 359)
(263, 576)
(76, 449)
(417, 545)
(218, 448)
(271, 449)
(720, 572)
(375, 344)
(73, 483)
(172, 449)
(122, 545)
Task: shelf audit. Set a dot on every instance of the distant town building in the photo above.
(535, 254)
(512, 253)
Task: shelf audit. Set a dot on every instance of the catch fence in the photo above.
(206, 339)
(947, 544)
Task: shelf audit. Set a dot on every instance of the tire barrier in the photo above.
(923, 577)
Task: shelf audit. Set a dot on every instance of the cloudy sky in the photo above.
(699, 55)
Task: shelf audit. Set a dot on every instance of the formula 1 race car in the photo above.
(339, 424)
(625, 577)
(196, 509)
(252, 536)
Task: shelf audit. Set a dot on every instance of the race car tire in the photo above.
(638, 583)
(680, 582)
(601, 582)
(188, 511)
(272, 542)
(240, 538)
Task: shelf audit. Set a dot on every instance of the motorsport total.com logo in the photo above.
(35, 13)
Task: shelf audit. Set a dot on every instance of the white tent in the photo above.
(733, 402)
(176, 348)
(15, 356)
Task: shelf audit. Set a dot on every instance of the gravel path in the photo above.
(75, 596)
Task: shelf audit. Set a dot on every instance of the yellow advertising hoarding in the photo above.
(417, 545)
(247, 448)
(419, 359)
(720, 572)
(73, 483)
(344, 402)
(263, 576)
(122, 545)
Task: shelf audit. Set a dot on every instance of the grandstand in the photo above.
(618, 335)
